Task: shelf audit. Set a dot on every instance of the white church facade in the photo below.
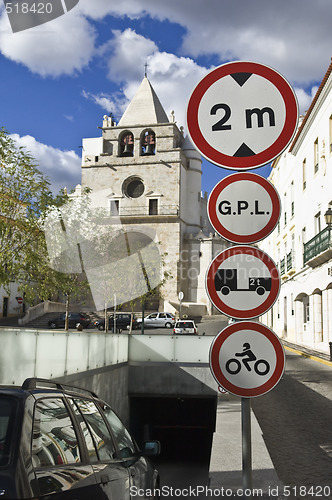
(148, 173)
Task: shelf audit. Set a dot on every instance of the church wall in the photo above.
(190, 182)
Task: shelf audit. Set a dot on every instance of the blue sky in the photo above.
(60, 78)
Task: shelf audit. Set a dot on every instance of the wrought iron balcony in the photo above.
(319, 249)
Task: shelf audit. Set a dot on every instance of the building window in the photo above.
(306, 310)
(330, 132)
(148, 143)
(126, 146)
(133, 187)
(304, 174)
(293, 250)
(114, 207)
(318, 225)
(285, 208)
(316, 158)
(153, 207)
(292, 198)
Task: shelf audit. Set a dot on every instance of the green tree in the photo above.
(25, 200)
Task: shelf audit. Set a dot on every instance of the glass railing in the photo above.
(47, 354)
(55, 354)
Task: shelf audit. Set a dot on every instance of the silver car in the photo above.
(157, 320)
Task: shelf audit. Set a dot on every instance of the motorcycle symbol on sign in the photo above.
(233, 365)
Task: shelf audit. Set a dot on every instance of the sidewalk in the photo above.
(226, 456)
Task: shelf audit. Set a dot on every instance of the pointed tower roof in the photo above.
(145, 108)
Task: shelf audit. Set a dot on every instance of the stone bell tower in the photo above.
(150, 174)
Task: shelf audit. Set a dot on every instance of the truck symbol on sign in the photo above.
(226, 281)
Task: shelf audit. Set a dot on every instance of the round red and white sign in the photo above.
(242, 115)
(244, 207)
(247, 359)
(242, 282)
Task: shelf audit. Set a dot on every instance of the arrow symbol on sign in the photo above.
(241, 78)
(244, 150)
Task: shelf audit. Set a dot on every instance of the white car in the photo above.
(156, 320)
(185, 327)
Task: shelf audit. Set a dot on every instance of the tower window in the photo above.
(133, 187)
(126, 144)
(148, 143)
(153, 207)
(114, 207)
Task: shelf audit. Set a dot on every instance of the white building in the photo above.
(147, 172)
(11, 301)
(301, 245)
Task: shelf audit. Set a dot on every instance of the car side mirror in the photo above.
(150, 448)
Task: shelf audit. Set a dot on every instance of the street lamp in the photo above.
(328, 218)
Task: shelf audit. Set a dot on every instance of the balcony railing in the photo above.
(318, 244)
(144, 210)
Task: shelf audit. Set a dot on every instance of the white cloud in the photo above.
(173, 78)
(285, 38)
(304, 99)
(129, 55)
(103, 100)
(63, 168)
(62, 46)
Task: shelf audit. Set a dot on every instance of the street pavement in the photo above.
(295, 418)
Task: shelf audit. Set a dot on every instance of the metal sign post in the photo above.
(246, 444)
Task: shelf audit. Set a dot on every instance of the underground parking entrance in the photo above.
(184, 425)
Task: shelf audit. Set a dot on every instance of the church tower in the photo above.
(150, 175)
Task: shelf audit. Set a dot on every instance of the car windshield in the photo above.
(184, 324)
(7, 417)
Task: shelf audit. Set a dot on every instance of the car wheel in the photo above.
(53, 324)
(101, 327)
(168, 325)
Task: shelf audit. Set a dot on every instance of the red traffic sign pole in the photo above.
(244, 207)
(242, 115)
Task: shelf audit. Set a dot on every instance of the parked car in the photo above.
(73, 320)
(59, 442)
(122, 322)
(185, 327)
(156, 320)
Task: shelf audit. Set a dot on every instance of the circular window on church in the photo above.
(133, 187)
